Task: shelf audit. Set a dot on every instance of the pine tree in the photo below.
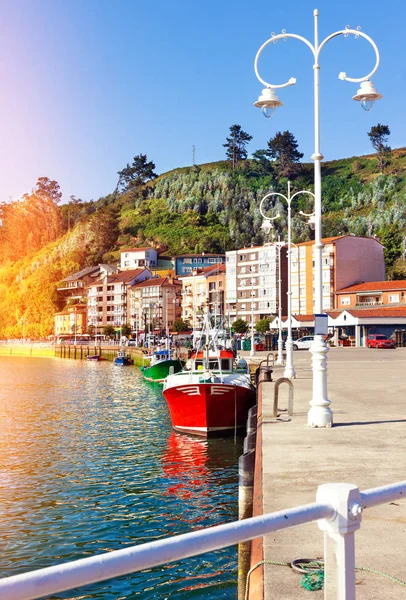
(283, 150)
(379, 136)
(136, 174)
(236, 145)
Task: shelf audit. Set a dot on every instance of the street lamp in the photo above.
(289, 368)
(252, 350)
(320, 414)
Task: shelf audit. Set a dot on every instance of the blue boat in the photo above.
(123, 359)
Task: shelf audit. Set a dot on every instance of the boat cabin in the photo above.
(222, 362)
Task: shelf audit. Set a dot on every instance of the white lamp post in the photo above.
(252, 350)
(289, 368)
(320, 414)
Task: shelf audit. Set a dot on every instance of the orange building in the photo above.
(71, 319)
(346, 260)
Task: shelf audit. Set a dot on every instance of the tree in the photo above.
(136, 174)
(180, 325)
(240, 326)
(109, 331)
(283, 150)
(263, 325)
(125, 330)
(235, 145)
(391, 237)
(91, 330)
(47, 188)
(379, 136)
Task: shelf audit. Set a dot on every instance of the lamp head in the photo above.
(311, 222)
(268, 101)
(367, 95)
(266, 226)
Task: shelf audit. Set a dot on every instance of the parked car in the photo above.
(303, 343)
(132, 343)
(378, 340)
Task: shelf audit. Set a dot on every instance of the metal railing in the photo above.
(338, 510)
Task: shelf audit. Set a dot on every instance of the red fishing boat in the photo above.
(212, 395)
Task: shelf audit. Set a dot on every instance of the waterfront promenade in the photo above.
(366, 446)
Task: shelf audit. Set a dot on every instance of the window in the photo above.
(394, 298)
(243, 257)
(187, 269)
(126, 263)
(253, 256)
(243, 306)
(187, 261)
(242, 294)
(345, 300)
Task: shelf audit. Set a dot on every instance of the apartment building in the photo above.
(136, 258)
(107, 298)
(155, 304)
(70, 320)
(252, 282)
(74, 287)
(346, 260)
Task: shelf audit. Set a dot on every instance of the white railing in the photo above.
(338, 510)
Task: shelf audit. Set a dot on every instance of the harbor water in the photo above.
(89, 464)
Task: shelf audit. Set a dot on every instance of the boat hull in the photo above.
(209, 409)
(157, 373)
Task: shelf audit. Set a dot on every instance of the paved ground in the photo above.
(366, 446)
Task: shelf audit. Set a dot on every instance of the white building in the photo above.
(135, 258)
(252, 282)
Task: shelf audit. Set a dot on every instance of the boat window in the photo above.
(213, 364)
(225, 364)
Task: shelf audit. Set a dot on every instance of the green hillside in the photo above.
(192, 209)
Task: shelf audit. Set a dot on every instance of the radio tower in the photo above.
(194, 155)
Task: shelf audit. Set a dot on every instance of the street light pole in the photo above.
(289, 368)
(279, 361)
(320, 414)
(252, 350)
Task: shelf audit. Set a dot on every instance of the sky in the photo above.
(89, 84)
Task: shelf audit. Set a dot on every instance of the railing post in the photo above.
(339, 546)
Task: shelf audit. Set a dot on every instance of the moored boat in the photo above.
(212, 395)
(95, 357)
(162, 363)
(123, 359)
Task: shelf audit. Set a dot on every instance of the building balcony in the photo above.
(374, 303)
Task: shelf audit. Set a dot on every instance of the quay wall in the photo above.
(67, 351)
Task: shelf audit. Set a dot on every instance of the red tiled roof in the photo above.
(324, 240)
(137, 249)
(156, 281)
(125, 276)
(371, 312)
(330, 240)
(375, 286)
(300, 318)
(220, 268)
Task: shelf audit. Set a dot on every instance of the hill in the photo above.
(192, 209)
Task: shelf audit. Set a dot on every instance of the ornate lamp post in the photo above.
(320, 414)
(289, 368)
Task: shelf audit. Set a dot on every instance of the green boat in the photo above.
(162, 363)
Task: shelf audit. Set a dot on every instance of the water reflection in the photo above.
(89, 464)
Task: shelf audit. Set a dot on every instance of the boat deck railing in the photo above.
(338, 511)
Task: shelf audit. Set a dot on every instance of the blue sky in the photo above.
(88, 84)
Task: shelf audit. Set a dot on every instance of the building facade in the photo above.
(108, 299)
(202, 292)
(155, 304)
(71, 320)
(74, 287)
(372, 293)
(185, 264)
(252, 282)
(346, 260)
(136, 258)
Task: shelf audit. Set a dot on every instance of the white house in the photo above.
(135, 258)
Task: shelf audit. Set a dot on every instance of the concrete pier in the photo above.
(366, 446)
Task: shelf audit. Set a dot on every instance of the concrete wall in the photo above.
(358, 259)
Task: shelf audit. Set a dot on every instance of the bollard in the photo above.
(276, 395)
(246, 465)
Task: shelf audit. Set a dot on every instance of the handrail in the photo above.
(341, 514)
